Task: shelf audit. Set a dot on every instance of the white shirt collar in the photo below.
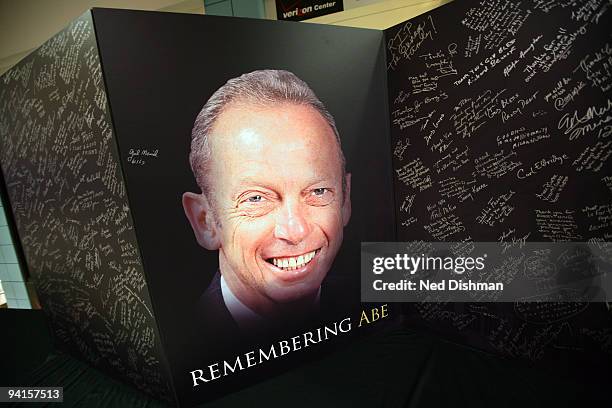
(244, 316)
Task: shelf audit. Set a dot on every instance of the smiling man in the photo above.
(275, 197)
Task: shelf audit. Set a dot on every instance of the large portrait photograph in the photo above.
(273, 202)
(252, 179)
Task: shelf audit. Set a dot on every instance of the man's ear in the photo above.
(199, 213)
(346, 206)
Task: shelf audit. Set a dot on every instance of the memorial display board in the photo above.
(193, 212)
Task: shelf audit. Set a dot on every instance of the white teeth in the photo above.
(291, 263)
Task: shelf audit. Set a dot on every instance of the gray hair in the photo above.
(261, 88)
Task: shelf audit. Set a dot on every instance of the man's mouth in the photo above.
(290, 263)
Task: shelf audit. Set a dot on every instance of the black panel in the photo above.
(501, 118)
(68, 199)
(161, 68)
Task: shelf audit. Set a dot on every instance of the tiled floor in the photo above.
(11, 278)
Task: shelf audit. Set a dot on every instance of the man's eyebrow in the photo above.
(247, 183)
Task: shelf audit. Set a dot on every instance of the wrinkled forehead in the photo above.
(272, 141)
(272, 131)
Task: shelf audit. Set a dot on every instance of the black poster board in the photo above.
(475, 122)
(501, 117)
(103, 113)
(159, 116)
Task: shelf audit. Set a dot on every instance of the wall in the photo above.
(237, 8)
(11, 278)
(25, 24)
(377, 14)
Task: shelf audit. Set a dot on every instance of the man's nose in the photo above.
(291, 223)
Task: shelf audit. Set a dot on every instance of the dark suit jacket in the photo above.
(214, 319)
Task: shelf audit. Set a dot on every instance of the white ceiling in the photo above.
(25, 24)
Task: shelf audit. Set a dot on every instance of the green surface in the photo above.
(236, 8)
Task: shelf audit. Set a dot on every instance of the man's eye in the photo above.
(320, 196)
(255, 199)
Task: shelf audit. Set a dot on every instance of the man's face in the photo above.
(277, 201)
